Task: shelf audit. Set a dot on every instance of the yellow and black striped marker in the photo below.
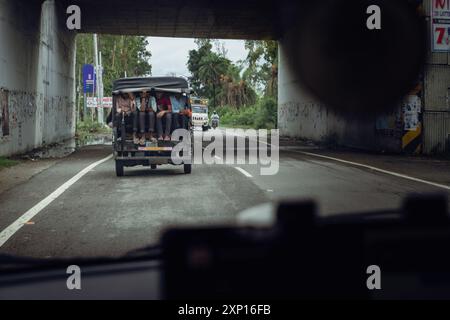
(412, 141)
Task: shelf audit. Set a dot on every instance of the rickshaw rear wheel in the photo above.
(119, 168)
(187, 168)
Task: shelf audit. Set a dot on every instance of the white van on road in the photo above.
(200, 116)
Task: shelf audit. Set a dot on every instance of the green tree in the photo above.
(121, 55)
(204, 47)
(212, 67)
(214, 76)
(262, 65)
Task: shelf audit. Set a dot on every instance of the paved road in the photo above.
(101, 214)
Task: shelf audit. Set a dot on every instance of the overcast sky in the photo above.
(171, 54)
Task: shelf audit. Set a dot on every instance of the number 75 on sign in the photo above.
(441, 37)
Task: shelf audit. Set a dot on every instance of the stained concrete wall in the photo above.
(36, 76)
(302, 116)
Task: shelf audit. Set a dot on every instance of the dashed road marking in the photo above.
(245, 173)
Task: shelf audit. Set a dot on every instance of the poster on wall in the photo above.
(440, 25)
(411, 110)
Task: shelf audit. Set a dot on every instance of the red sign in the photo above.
(91, 102)
(440, 25)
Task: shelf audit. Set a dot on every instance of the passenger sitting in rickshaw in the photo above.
(125, 106)
(145, 111)
(180, 111)
(163, 116)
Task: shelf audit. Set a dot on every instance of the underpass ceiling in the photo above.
(232, 19)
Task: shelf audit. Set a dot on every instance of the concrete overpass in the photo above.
(37, 65)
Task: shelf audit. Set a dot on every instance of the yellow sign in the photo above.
(155, 148)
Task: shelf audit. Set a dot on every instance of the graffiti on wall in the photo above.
(22, 106)
(4, 113)
(299, 114)
(25, 117)
(389, 124)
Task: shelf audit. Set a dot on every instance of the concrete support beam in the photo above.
(301, 115)
(37, 83)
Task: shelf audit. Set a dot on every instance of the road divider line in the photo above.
(438, 185)
(245, 173)
(7, 233)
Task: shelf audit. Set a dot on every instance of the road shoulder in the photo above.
(22, 172)
(436, 170)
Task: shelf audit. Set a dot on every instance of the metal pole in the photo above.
(78, 97)
(84, 107)
(94, 87)
(97, 75)
(100, 96)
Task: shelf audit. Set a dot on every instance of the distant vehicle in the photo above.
(153, 153)
(215, 120)
(200, 113)
(214, 123)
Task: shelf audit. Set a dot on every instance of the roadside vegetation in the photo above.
(261, 115)
(88, 128)
(122, 56)
(6, 163)
(243, 94)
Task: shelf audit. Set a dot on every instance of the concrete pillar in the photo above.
(37, 75)
(301, 115)
(56, 76)
(19, 38)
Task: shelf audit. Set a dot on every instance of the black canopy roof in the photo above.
(128, 84)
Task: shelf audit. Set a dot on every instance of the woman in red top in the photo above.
(163, 115)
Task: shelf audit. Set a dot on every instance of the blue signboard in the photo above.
(88, 78)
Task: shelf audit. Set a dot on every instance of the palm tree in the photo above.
(212, 66)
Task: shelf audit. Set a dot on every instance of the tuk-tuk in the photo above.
(153, 153)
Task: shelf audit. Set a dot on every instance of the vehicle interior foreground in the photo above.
(271, 253)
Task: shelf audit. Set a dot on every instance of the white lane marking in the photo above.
(27, 216)
(443, 186)
(257, 140)
(245, 173)
(438, 185)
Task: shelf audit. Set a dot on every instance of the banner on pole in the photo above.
(92, 102)
(89, 81)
